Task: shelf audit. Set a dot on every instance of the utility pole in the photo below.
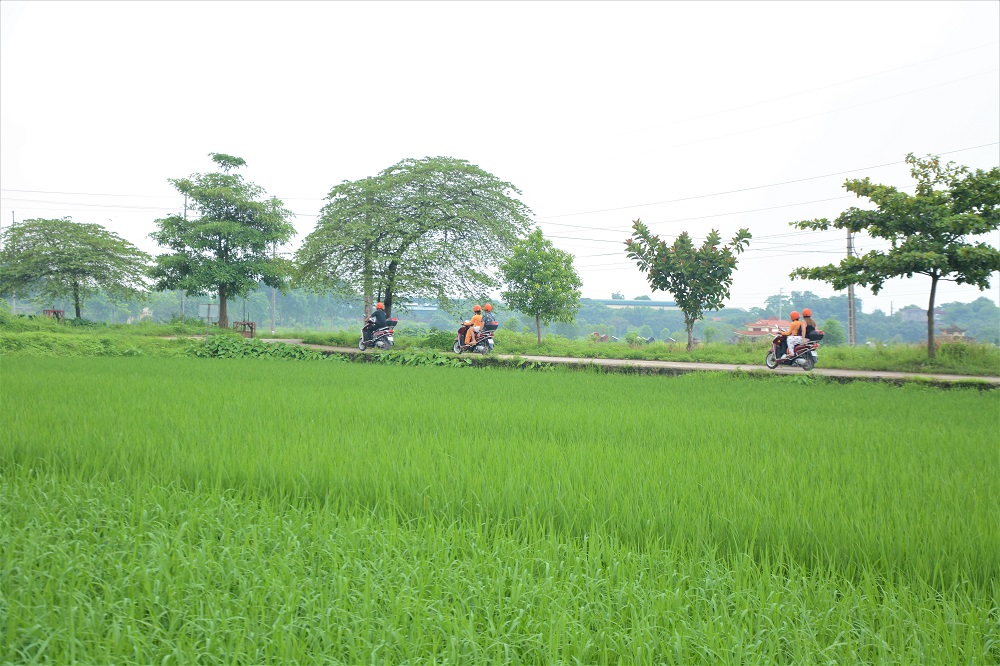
(852, 331)
(274, 292)
(781, 301)
(13, 299)
(182, 291)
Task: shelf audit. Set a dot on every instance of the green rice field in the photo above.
(252, 511)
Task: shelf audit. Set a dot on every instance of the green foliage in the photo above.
(230, 247)
(55, 259)
(57, 343)
(431, 227)
(833, 333)
(698, 278)
(234, 346)
(541, 281)
(929, 232)
(440, 340)
(418, 356)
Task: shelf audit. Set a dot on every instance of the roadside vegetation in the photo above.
(588, 518)
(953, 358)
(42, 337)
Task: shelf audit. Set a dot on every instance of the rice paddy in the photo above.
(177, 510)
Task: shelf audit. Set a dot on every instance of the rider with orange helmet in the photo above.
(376, 321)
(794, 334)
(488, 316)
(808, 322)
(474, 325)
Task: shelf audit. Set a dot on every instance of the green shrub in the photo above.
(437, 339)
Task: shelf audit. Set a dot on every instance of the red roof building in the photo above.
(764, 327)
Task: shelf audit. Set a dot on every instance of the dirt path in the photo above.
(680, 367)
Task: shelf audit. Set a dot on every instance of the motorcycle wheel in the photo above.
(457, 348)
(770, 361)
(361, 344)
(807, 363)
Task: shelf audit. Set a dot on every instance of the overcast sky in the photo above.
(689, 116)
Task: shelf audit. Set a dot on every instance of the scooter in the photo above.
(381, 337)
(483, 342)
(804, 355)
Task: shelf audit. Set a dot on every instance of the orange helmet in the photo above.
(807, 313)
(379, 306)
(488, 307)
(476, 308)
(794, 315)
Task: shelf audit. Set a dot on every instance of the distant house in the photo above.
(764, 328)
(916, 314)
(952, 334)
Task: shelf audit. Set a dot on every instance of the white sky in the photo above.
(599, 112)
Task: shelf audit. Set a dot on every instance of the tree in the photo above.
(698, 278)
(928, 232)
(541, 281)
(58, 259)
(833, 332)
(231, 246)
(434, 227)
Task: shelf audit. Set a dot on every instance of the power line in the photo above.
(755, 187)
(541, 219)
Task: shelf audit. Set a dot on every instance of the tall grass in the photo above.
(162, 507)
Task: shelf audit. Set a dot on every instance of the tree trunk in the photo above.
(690, 330)
(223, 312)
(538, 328)
(76, 299)
(367, 279)
(930, 318)
(390, 283)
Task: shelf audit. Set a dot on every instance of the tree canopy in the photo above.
(929, 232)
(541, 281)
(57, 259)
(699, 278)
(434, 227)
(231, 245)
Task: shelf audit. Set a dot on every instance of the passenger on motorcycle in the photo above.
(488, 317)
(794, 335)
(474, 325)
(807, 319)
(374, 322)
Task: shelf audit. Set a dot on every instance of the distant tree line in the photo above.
(443, 229)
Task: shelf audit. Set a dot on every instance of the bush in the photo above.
(440, 340)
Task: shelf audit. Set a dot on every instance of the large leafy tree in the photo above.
(435, 227)
(929, 232)
(541, 281)
(699, 278)
(230, 246)
(56, 259)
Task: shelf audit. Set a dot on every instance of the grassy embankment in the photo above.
(139, 339)
(214, 512)
(954, 358)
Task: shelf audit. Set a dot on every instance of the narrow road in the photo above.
(680, 367)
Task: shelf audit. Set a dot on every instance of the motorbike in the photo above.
(804, 355)
(381, 337)
(481, 344)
